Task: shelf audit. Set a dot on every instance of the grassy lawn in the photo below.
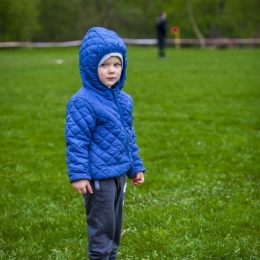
(197, 118)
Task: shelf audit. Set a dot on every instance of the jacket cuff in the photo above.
(134, 171)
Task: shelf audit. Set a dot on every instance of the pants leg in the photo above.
(104, 212)
(119, 202)
(161, 45)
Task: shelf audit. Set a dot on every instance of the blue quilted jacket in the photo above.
(100, 137)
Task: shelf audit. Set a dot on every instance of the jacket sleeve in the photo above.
(80, 125)
(137, 162)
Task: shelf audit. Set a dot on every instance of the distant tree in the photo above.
(105, 11)
(66, 20)
(56, 20)
(194, 24)
(18, 20)
(239, 19)
(216, 18)
(135, 18)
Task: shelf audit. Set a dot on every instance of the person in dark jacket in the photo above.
(161, 29)
(100, 139)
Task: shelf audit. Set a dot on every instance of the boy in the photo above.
(101, 148)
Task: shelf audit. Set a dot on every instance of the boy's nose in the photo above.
(111, 69)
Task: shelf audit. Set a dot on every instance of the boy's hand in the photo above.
(82, 186)
(138, 179)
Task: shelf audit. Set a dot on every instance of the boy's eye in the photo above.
(105, 65)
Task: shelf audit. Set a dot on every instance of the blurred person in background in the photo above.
(161, 28)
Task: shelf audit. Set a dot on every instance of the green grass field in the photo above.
(197, 118)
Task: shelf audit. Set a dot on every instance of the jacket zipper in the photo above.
(124, 127)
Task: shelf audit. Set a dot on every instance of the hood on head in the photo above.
(97, 43)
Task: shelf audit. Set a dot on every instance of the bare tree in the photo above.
(194, 24)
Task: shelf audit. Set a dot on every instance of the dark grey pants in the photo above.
(104, 212)
(161, 40)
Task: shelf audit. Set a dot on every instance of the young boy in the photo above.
(100, 139)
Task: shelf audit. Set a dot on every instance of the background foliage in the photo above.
(57, 20)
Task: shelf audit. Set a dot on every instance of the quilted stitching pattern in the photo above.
(100, 142)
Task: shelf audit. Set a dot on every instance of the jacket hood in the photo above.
(97, 43)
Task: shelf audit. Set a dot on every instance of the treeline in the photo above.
(65, 20)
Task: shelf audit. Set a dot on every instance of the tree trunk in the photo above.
(194, 25)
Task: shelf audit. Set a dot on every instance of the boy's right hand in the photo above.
(82, 186)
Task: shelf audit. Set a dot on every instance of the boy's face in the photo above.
(109, 71)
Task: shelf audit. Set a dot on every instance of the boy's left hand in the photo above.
(138, 179)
